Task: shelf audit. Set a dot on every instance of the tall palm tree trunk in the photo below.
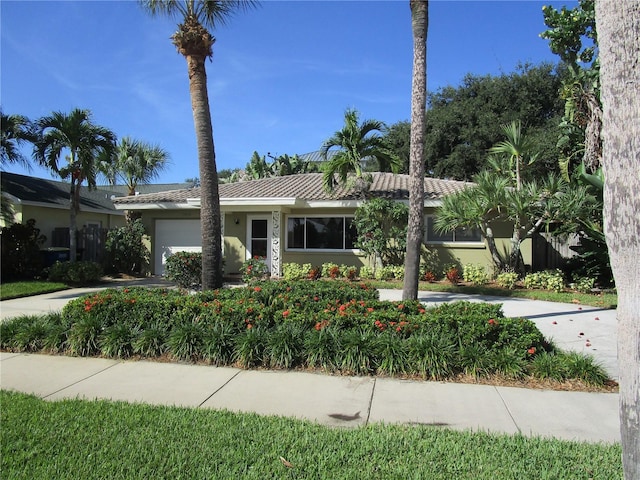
(415, 230)
(210, 202)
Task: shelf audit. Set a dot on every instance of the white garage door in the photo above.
(175, 236)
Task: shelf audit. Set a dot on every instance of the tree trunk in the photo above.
(415, 230)
(493, 249)
(209, 197)
(618, 23)
(73, 227)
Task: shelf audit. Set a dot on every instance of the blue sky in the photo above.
(281, 78)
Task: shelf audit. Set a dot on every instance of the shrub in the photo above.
(185, 341)
(218, 342)
(349, 272)
(452, 273)
(150, 342)
(184, 268)
(295, 271)
(428, 276)
(284, 346)
(584, 284)
(21, 256)
(75, 273)
(392, 355)
(507, 280)
(367, 273)
(250, 347)
(254, 269)
(390, 272)
(84, 336)
(356, 351)
(585, 368)
(117, 341)
(548, 280)
(475, 274)
(125, 250)
(330, 270)
(432, 354)
(320, 347)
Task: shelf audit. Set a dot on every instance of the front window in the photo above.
(459, 235)
(320, 233)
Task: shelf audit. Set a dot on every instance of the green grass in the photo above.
(604, 300)
(75, 439)
(26, 289)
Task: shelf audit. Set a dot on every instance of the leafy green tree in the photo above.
(286, 165)
(415, 227)
(126, 252)
(463, 122)
(84, 142)
(257, 167)
(398, 139)
(382, 230)
(356, 142)
(572, 35)
(619, 39)
(21, 256)
(194, 41)
(516, 148)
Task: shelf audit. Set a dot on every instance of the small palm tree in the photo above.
(134, 163)
(357, 142)
(516, 147)
(194, 41)
(83, 141)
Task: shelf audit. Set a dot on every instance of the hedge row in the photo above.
(338, 326)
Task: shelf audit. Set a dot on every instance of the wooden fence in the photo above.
(90, 242)
(552, 252)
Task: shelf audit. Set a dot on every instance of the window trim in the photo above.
(453, 242)
(318, 250)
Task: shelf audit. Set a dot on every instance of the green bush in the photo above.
(475, 274)
(330, 270)
(295, 271)
(75, 273)
(547, 280)
(334, 325)
(584, 284)
(125, 250)
(507, 280)
(367, 273)
(390, 272)
(21, 255)
(185, 269)
(254, 269)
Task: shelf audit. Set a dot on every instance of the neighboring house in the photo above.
(292, 219)
(47, 202)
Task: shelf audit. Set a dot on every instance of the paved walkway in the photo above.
(338, 400)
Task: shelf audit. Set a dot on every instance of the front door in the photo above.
(259, 238)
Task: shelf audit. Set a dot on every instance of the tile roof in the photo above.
(306, 187)
(42, 191)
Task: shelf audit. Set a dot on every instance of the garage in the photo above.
(175, 236)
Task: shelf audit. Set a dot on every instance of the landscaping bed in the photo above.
(337, 326)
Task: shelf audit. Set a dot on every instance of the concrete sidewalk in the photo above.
(331, 400)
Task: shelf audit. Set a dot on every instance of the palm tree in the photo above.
(195, 43)
(84, 141)
(517, 147)
(134, 162)
(415, 228)
(16, 129)
(357, 142)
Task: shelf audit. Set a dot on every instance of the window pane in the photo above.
(295, 233)
(259, 228)
(433, 236)
(468, 235)
(325, 233)
(351, 233)
(259, 248)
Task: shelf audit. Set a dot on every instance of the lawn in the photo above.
(27, 289)
(75, 439)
